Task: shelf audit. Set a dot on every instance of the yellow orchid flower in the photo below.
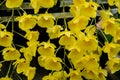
(13, 3)
(116, 36)
(5, 78)
(54, 32)
(46, 20)
(46, 51)
(35, 5)
(10, 54)
(113, 64)
(90, 43)
(6, 38)
(32, 35)
(102, 74)
(78, 23)
(26, 22)
(60, 75)
(47, 44)
(22, 66)
(30, 51)
(105, 14)
(50, 63)
(111, 49)
(30, 73)
(75, 75)
(89, 7)
(110, 26)
(75, 54)
(47, 3)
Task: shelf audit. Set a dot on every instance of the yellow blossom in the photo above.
(46, 51)
(109, 26)
(66, 41)
(48, 77)
(75, 75)
(75, 10)
(47, 3)
(35, 5)
(26, 22)
(6, 38)
(66, 38)
(113, 64)
(88, 71)
(105, 14)
(111, 49)
(47, 44)
(11, 54)
(50, 63)
(32, 47)
(30, 51)
(82, 63)
(54, 32)
(90, 30)
(46, 20)
(78, 23)
(89, 7)
(116, 36)
(5, 78)
(90, 43)
(13, 3)
(22, 66)
(30, 73)
(75, 54)
(32, 35)
(102, 74)
(60, 75)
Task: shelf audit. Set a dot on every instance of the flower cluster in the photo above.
(78, 38)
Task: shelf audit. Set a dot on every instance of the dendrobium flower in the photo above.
(37, 4)
(57, 75)
(26, 22)
(89, 7)
(111, 49)
(75, 75)
(30, 73)
(32, 35)
(13, 3)
(113, 64)
(78, 23)
(5, 78)
(46, 20)
(11, 54)
(6, 38)
(50, 62)
(66, 38)
(54, 32)
(110, 26)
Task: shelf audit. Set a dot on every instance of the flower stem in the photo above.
(2, 2)
(12, 20)
(9, 68)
